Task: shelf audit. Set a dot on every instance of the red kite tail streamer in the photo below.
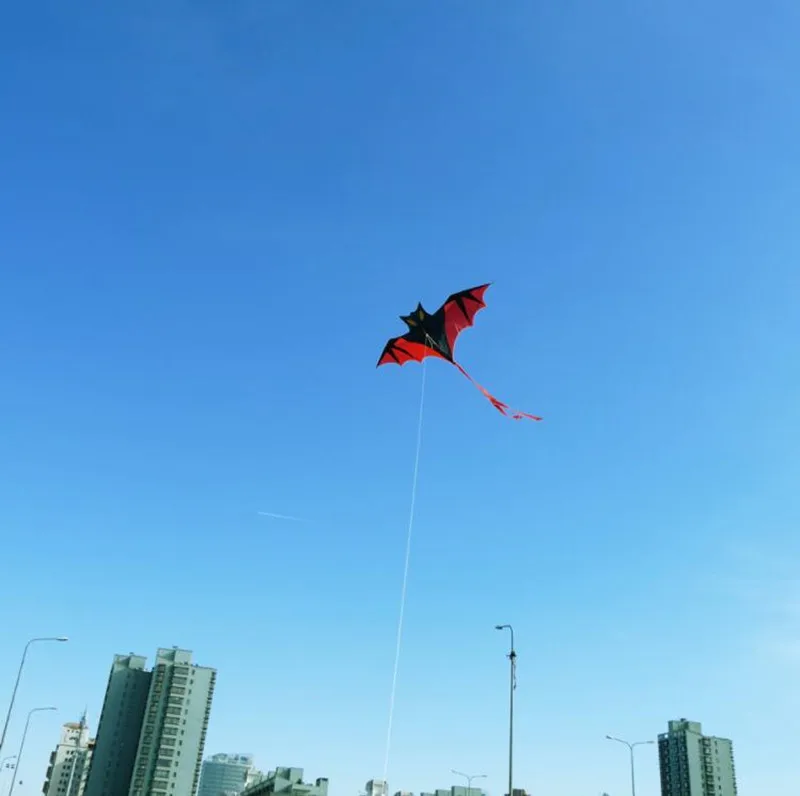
(504, 409)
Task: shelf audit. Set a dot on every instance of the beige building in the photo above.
(69, 763)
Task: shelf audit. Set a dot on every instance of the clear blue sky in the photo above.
(211, 215)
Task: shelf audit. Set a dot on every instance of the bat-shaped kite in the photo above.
(435, 336)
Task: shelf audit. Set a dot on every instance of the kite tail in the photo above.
(504, 409)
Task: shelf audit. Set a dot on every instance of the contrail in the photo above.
(281, 516)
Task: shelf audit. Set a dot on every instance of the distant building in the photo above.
(153, 727)
(455, 790)
(287, 782)
(69, 763)
(693, 764)
(228, 775)
(377, 787)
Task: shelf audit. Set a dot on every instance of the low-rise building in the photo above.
(287, 782)
(228, 775)
(457, 790)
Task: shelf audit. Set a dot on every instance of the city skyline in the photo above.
(139, 703)
(212, 214)
(171, 682)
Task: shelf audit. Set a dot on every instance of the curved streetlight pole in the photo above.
(512, 656)
(22, 746)
(631, 747)
(16, 683)
(468, 778)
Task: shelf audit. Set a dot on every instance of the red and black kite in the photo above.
(435, 336)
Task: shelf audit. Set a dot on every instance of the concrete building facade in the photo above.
(377, 787)
(152, 727)
(69, 763)
(287, 782)
(170, 750)
(693, 764)
(228, 775)
(119, 728)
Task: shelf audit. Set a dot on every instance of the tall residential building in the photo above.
(228, 775)
(173, 737)
(120, 725)
(287, 782)
(69, 763)
(153, 727)
(693, 764)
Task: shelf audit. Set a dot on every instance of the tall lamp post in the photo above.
(22, 746)
(512, 656)
(468, 778)
(631, 747)
(19, 675)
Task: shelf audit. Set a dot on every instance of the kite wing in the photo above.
(460, 311)
(400, 350)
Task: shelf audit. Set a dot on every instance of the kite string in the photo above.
(404, 588)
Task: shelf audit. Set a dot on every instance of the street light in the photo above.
(22, 746)
(512, 656)
(631, 747)
(468, 778)
(16, 684)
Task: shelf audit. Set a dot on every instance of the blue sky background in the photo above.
(212, 214)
